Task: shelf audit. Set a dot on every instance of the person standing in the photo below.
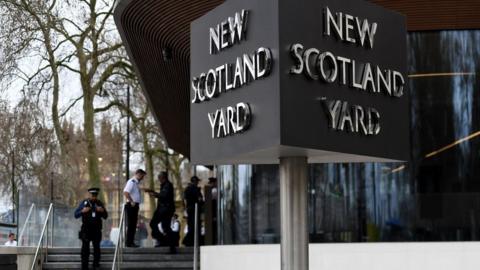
(164, 212)
(175, 226)
(192, 196)
(210, 211)
(11, 241)
(91, 211)
(133, 197)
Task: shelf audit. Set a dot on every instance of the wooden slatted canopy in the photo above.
(156, 34)
(150, 28)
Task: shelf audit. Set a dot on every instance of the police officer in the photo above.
(92, 211)
(191, 196)
(164, 212)
(134, 198)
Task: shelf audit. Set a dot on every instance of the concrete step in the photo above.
(125, 265)
(159, 250)
(132, 257)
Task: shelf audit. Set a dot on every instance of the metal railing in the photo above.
(195, 240)
(118, 254)
(27, 220)
(38, 258)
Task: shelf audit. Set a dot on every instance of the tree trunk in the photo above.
(55, 116)
(148, 156)
(57, 126)
(177, 178)
(89, 131)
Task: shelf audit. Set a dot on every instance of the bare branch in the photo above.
(110, 105)
(109, 49)
(80, 29)
(106, 16)
(69, 68)
(107, 73)
(71, 106)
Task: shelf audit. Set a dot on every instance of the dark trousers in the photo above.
(154, 226)
(190, 237)
(132, 217)
(176, 238)
(86, 250)
(163, 216)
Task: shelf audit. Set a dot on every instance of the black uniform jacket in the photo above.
(91, 220)
(192, 195)
(165, 197)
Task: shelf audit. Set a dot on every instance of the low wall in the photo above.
(13, 258)
(353, 256)
(8, 261)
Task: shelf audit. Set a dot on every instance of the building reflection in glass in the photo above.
(433, 197)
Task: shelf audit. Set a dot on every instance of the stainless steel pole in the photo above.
(14, 208)
(52, 222)
(127, 156)
(293, 210)
(195, 240)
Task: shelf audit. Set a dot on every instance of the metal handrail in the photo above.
(27, 220)
(118, 255)
(41, 240)
(195, 240)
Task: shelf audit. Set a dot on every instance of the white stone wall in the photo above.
(354, 256)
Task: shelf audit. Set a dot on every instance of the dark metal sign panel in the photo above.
(322, 79)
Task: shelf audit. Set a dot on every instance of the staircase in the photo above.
(133, 258)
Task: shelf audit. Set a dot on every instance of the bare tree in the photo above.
(31, 32)
(26, 154)
(78, 38)
(56, 44)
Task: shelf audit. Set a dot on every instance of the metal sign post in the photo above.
(293, 212)
(195, 240)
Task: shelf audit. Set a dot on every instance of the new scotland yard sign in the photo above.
(322, 79)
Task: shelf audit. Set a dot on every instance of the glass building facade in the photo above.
(433, 197)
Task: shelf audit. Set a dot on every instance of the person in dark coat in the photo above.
(91, 211)
(191, 196)
(164, 212)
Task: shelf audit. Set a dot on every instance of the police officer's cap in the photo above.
(212, 179)
(163, 174)
(93, 191)
(140, 171)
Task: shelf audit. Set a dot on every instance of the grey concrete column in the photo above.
(293, 212)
